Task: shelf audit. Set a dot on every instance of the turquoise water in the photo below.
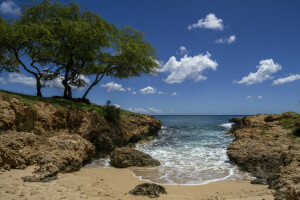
(192, 151)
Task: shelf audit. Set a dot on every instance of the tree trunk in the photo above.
(38, 87)
(93, 84)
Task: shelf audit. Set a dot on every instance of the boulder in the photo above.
(148, 189)
(127, 157)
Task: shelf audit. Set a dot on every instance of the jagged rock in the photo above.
(59, 153)
(270, 118)
(264, 148)
(259, 181)
(62, 138)
(148, 189)
(127, 157)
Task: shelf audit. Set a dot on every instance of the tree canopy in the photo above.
(67, 42)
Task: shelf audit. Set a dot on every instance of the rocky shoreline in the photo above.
(268, 146)
(62, 138)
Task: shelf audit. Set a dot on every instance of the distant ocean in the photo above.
(192, 151)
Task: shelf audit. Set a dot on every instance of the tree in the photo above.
(21, 42)
(82, 43)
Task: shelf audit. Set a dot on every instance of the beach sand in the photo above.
(111, 183)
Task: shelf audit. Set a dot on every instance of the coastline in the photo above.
(112, 183)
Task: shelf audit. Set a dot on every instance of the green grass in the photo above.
(288, 120)
(62, 103)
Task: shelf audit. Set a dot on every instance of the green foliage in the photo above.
(112, 112)
(291, 121)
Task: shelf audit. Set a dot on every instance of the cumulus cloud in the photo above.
(182, 50)
(9, 7)
(188, 68)
(288, 79)
(174, 94)
(210, 22)
(133, 92)
(159, 92)
(148, 90)
(31, 82)
(117, 105)
(265, 69)
(21, 79)
(260, 97)
(229, 40)
(112, 86)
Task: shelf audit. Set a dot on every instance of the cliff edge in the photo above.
(268, 146)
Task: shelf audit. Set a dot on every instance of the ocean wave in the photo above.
(227, 125)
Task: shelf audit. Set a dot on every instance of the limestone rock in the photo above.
(127, 157)
(148, 189)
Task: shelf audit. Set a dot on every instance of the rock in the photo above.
(148, 189)
(263, 148)
(270, 118)
(259, 181)
(127, 157)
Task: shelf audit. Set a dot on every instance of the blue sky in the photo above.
(208, 50)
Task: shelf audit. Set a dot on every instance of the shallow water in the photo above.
(192, 151)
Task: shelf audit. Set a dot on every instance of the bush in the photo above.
(112, 112)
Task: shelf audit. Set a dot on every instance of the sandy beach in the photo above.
(112, 183)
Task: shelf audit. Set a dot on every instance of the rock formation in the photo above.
(60, 138)
(268, 147)
(148, 189)
(127, 157)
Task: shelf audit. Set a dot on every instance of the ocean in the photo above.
(192, 151)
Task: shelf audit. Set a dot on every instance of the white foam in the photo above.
(227, 125)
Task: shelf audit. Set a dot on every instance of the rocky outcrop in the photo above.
(58, 153)
(61, 137)
(127, 157)
(267, 146)
(148, 189)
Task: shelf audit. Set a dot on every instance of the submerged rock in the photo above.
(148, 189)
(127, 157)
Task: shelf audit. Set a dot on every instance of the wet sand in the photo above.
(111, 183)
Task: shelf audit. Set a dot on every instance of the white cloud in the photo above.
(159, 92)
(147, 90)
(21, 79)
(31, 82)
(112, 86)
(252, 97)
(174, 94)
(2, 81)
(188, 68)
(9, 7)
(133, 92)
(129, 89)
(210, 22)
(182, 50)
(288, 79)
(154, 110)
(265, 69)
(229, 40)
(145, 111)
(117, 105)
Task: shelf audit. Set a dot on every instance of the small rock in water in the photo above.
(148, 189)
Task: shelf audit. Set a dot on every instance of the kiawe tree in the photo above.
(78, 43)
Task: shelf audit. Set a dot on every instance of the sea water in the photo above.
(191, 150)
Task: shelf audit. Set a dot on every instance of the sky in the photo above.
(216, 57)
